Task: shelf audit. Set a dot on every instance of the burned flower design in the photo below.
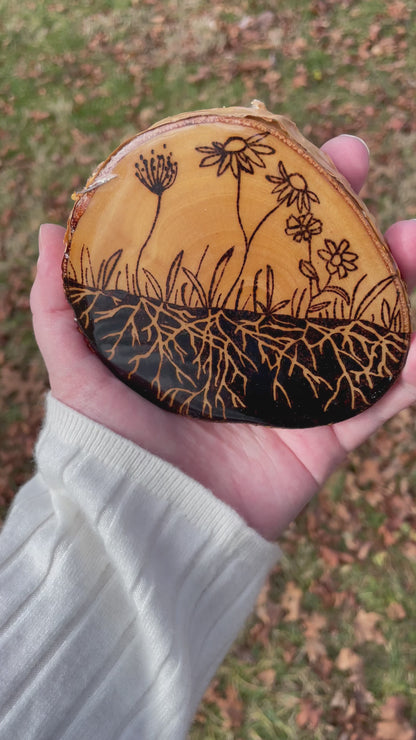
(158, 173)
(292, 188)
(339, 259)
(236, 153)
(303, 227)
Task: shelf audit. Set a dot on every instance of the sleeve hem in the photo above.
(161, 479)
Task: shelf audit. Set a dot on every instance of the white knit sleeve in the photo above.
(122, 585)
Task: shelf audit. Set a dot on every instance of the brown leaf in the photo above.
(347, 660)
(392, 730)
(267, 677)
(398, 10)
(339, 701)
(267, 610)
(289, 655)
(365, 628)
(260, 632)
(315, 649)
(368, 472)
(290, 602)
(363, 551)
(329, 556)
(389, 538)
(39, 115)
(409, 549)
(308, 715)
(232, 708)
(313, 624)
(229, 703)
(393, 725)
(301, 77)
(395, 611)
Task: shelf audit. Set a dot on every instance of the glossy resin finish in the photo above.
(221, 267)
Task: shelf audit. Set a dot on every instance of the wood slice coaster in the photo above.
(220, 265)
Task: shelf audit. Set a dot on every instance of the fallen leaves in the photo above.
(396, 611)
(291, 602)
(267, 677)
(349, 661)
(393, 725)
(309, 715)
(315, 647)
(366, 628)
(398, 10)
(229, 704)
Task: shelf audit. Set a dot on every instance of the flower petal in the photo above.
(291, 196)
(348, 266)
(252, 155)
(316, 229)
(349, 257)
(324, 255)
(206, 149)
(272, 178)
(292, 222)
(242, 162)
(343, 246)
(226, 160)
(331, 246)
(253, 142)
(283, 171)
(211, 160)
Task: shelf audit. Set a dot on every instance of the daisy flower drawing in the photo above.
(236, 154)
(291, 189)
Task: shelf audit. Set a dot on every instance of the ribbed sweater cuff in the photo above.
(159, 479)
(129, 581)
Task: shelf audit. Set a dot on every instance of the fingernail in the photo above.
(49, 236)
(358, 138)
(40, 244)
(41, 237)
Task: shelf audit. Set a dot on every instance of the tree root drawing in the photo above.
(211, 358)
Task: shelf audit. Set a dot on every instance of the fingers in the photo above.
(351, 157)
(353, 432)
(64, 351)
(77, 377)
(401, 238)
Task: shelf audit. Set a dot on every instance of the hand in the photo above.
(266, 474)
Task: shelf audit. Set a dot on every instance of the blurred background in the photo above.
(331, 649)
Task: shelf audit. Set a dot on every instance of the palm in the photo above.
(266, 474)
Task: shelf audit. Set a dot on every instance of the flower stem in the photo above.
(260, 224)
(312, 296)
(246, 242)
(238, 210)
(145, 243)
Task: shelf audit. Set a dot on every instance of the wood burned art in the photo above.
(221, 267)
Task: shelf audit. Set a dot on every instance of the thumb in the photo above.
(64, 350)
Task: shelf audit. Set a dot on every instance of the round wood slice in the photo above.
(220, 265)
